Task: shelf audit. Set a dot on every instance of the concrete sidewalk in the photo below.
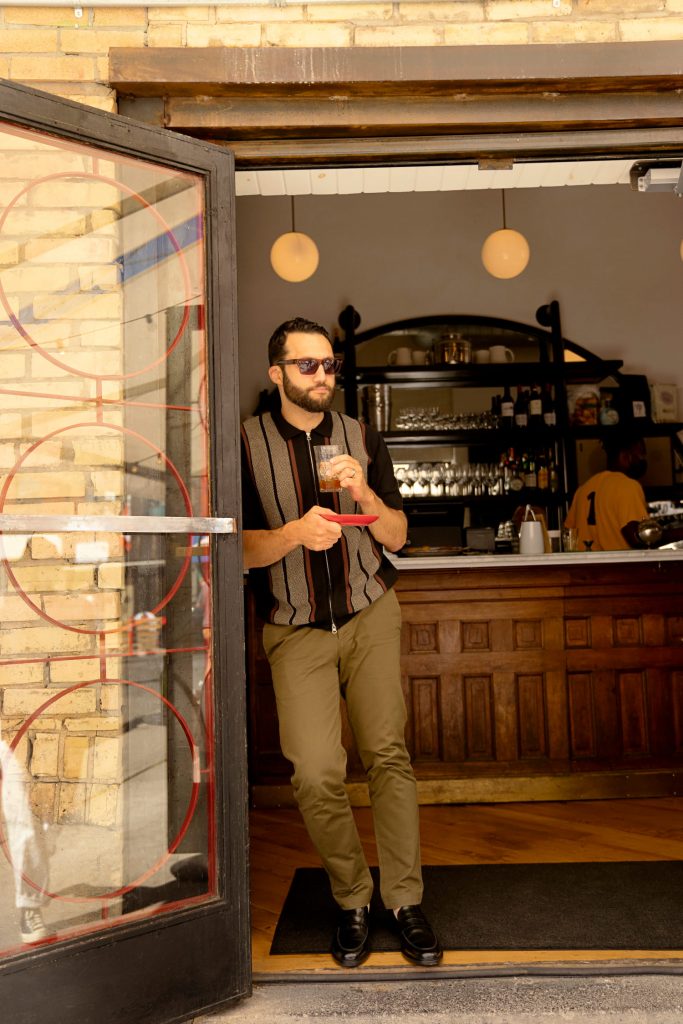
(633, 999)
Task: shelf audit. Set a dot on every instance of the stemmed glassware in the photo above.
(454, 479)
(431, 418)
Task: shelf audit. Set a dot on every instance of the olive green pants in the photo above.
(310, 669)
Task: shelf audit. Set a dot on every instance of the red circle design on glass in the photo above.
(186, 501)
(185, 824)
(132, 194)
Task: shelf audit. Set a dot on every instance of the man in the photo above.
(607, 509)
(333, 628)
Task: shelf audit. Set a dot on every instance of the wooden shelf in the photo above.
(645, 427)
(488, 374)
(464, 375)
(508, 437)
(527, 496)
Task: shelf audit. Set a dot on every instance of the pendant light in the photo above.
(294, 256)
(505, 253)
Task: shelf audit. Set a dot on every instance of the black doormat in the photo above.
(617, 905)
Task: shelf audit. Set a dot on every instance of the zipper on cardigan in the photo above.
(327, 564)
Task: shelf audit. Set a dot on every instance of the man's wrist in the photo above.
(370, 504)
(290, 535)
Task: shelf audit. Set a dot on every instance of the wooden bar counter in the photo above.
(546, 677)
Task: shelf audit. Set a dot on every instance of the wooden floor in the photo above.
(600, 830)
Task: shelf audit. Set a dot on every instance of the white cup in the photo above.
(501, 354)
(400, 357)
(482, 355)
(419, 357)
(531, 539)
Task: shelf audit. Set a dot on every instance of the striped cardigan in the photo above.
(279, 485)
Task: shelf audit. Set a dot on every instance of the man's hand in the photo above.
(391, 527)
(314, 532)
(265, 547)
(350, 474)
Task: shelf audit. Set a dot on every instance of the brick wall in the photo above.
(54, 49)
(58, 240)
(89, 299)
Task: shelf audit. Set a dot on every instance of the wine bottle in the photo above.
(530, 472)
(542, 473)
(535, 407)
(507, 408)
(549, 416)
(521, 409)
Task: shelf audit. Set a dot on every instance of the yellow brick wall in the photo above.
(57, 251)
(63, 52)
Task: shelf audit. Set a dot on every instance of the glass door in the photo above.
(122, 784)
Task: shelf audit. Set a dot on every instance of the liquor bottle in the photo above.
(549, 416)
(507, 408)
(542, 472)
(553, 475)
(506, 462)
(516, 478)
(535, 407)
(530, 472)
(521, 409)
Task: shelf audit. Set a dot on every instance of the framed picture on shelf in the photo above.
(664, 399)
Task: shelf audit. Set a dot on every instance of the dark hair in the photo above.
(624, 441)
(298, 325)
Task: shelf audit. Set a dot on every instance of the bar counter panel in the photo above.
(524, 678)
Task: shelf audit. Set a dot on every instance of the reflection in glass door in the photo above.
(106, 731)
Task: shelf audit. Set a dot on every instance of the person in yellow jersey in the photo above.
(608, 507)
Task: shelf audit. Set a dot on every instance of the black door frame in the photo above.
(197, 959)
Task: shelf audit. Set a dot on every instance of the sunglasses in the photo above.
(310, 366)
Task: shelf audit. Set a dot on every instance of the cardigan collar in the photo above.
(289, 432)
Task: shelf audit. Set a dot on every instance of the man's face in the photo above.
(637, 465)
(313, 393)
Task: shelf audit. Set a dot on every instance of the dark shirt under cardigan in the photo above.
(278, 485)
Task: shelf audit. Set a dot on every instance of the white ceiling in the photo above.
(343, 181)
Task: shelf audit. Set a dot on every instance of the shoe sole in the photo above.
(361, 960)
(423, 961)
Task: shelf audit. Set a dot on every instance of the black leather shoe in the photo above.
(351, 942)
(419, 944)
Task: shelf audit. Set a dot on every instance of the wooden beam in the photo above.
(508, 788)
(217, 70)
(279, 106)
(639, 143)
(276, 117)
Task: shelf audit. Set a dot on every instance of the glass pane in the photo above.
(104, 676)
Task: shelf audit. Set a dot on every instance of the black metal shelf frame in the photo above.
(551, 367)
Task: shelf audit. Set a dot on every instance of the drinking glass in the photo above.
(327, 475)
(570, 538)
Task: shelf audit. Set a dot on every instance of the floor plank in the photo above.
(597, 830)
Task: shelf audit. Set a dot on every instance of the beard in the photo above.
(302, 397)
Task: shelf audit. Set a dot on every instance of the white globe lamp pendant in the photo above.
(294, 256)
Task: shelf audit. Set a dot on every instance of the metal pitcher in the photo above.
(453, 348)
(377, 406)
